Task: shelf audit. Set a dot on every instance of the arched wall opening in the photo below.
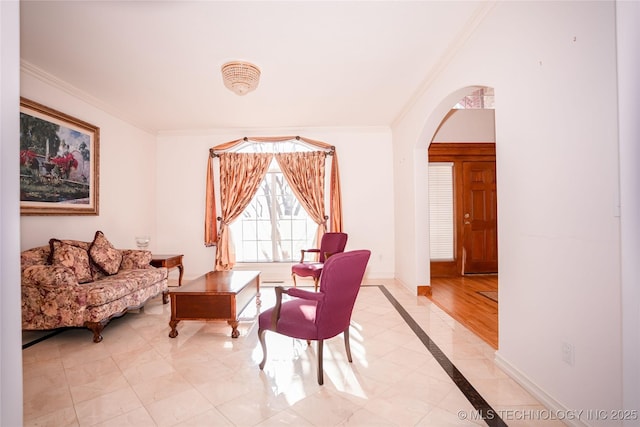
(462, 209)
(431, 127)
(462, 189)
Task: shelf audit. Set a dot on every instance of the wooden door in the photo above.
(479, 222)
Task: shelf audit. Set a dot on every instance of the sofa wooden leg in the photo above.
(96, 328)
(165, 297)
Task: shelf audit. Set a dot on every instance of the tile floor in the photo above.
(138, 376)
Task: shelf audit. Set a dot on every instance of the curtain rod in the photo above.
(214, 153)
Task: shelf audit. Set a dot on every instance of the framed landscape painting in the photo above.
(59, 161)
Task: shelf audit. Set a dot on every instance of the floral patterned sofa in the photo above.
(72, 283)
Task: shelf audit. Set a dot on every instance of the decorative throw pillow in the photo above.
(73, 257)
(104, 255)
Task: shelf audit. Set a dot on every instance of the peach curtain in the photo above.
(240, 177)
(305, 174)
(210, 211)
(335, 197)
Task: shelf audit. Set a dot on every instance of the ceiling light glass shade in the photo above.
(240, 77)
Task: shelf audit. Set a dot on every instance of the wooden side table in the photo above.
(169, 262)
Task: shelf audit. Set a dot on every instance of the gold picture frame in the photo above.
(59, 162)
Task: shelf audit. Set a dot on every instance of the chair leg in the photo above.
(320, 372)
(347, 346)
(261, 334)
(293, 276)
(315, 283)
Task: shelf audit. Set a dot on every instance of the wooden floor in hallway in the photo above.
(460, 297)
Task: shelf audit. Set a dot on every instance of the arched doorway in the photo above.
(463, 214)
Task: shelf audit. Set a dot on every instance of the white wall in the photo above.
(10, 318)
(552, 65)
(364, 157)
(127, 199)
(468, 126)
(628, 16)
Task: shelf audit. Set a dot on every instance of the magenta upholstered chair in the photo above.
(331, 243)
(318, 315)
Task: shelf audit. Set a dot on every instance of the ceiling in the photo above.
(324, 63)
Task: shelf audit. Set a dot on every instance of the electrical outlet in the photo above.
(568, 353)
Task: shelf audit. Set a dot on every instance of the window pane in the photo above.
(285, 229)
(300, 230)
(441, 211)
(248, 250)
(264, 229)
(249, 230)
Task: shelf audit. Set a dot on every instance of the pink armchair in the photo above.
(318, 315)
(331, 243)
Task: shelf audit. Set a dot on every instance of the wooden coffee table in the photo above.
(216, 295)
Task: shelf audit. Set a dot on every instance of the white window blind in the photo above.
(441, 211)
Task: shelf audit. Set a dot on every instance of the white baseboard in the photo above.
(543, 397)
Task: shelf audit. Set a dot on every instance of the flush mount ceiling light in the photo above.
(240, 77)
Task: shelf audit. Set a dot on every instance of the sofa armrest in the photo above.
(51, 298)
(135, 259)
(49, 276)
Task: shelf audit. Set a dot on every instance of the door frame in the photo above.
(457, 153)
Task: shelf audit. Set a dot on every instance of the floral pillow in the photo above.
(104, 255)
(73, 257)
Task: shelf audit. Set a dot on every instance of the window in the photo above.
(479, 99)
(274, 227)
(441, 211)
(304, 162)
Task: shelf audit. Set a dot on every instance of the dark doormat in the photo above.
(492, 295)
